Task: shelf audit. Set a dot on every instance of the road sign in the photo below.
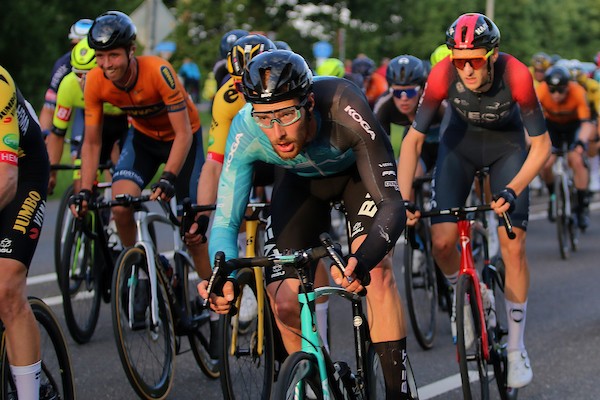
(154, 22)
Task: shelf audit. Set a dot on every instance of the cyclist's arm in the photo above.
(537, 156)
(409, 157)
(9, 133)
(182, 142)
(92, 140)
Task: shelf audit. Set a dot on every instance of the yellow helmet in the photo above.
(441, 52)
(83, 57)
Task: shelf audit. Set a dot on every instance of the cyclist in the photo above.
(69, 99)
(61, 68)
(491, 99)
(374, 85)
(331, 67)
(540, 62)
(440, 52)
(330, 147)
(166, 125)
(568, 118)
(24, 170)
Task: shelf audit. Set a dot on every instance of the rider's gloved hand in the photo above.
(509, 197)
(78, 202)
(166, 185)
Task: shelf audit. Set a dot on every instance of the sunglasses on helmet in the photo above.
(475, 62)
(409, 93)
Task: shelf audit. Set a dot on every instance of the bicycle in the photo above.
(563, 202)
(426, 287)
(312, 367)
(90, 248)
(248, 349)
(488, 346)
(56, 378)
(147, 347)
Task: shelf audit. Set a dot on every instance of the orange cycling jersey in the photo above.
(573, 108)
(377, 85)
(157, 91)
(227, 102)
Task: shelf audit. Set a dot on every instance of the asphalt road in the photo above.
(563, 327)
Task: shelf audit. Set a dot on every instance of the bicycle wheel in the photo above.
(247, 362)
(200, 340)
(376, 380)
(80, 282)
(573, 223)
(56, 379)
(421, 289)
(147, 353)
(64, 219)
(475, 384)
(299, 375)
(562, 218)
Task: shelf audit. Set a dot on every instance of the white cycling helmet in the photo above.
(80, 29)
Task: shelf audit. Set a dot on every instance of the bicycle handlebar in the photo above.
(462, 213)
(68, 167)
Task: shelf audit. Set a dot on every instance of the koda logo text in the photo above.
(358, 118)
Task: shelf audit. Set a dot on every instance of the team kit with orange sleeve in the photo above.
(22, 145)
(155, 93)
(563, 119)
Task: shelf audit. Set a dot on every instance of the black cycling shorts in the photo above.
(301, 211)
(21, 222)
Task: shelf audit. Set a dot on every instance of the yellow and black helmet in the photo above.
(245, 49)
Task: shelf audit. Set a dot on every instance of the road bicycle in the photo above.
(489, 344)
(56, 379)
(90, 247)
(563, 202)
(154, 305)
(426, 287)
(311, 371)
(64, 218)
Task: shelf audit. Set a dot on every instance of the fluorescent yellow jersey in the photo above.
(9, 123)
(69, 97)
(592, 90)
(228, 101)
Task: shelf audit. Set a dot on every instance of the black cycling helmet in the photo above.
(557, 76)
(245, 49)
(275, 76)
(229, 39)
(363, 66)
(112, 30)
(406, 70)
(473, 31)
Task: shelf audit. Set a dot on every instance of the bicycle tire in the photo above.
(200, 340)
(64, 217)
(421, 292)
(80, 282)
(244, 373)
(298, 367)
(472, 388)
(56, 378)
(149, 366)
(562, 218)
(573, 223)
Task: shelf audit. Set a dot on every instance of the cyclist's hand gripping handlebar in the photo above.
(339, 261)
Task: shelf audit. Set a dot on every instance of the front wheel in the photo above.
(421, 291)
(562, 217)
(64, 220)
(376, 380)
(146, 347)
(247, 357)
(79, 280)
(473, 366)
(298, 377)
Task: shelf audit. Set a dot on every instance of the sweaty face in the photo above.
(113, 63)
(471, 77)
(287, 141)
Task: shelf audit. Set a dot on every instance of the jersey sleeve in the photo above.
(91, 94)
(234, 189)
(583, 109)
(227, 102)
(64, 106)
(521, 85)
(435, 91)
(169, 87)
(9, 123)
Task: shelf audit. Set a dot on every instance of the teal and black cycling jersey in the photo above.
(347, 134)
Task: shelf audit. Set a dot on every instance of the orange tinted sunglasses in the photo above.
(475, 62)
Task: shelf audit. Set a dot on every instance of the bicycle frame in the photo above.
(560, 170)
(467, 266)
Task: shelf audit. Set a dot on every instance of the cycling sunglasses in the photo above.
(559, 89)
(409, 93)
(475, 62)
(284, 116)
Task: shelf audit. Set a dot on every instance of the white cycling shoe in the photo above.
(519, 369)
(468, 325)
(248, 307)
